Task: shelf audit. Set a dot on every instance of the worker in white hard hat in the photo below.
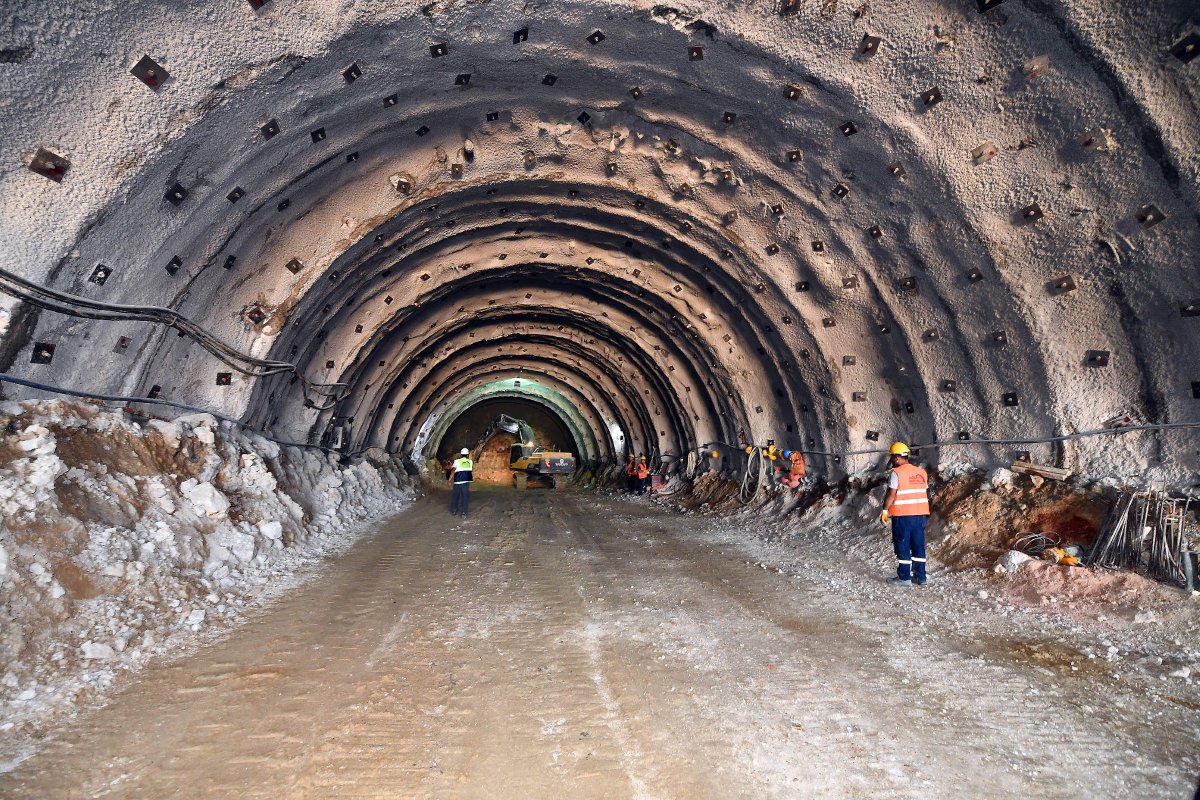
(460, 477)
(906, 506)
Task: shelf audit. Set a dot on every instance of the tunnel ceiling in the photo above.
(826, 223)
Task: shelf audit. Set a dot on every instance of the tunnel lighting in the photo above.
(438, 50)
(848, 128)
(49, 165)
(931, 97)
(1011, 399)
(1096, 358)
(550, 79)
(230, 261)
(43, 353)
(149, 72)
(1149, 215)
(1187, 48)
(352, 73)
(983, 153)
(236, 194)
(173, 265)
(269, 130)
(100, 274)
(224, 378)
(869, 45)
(176, 194)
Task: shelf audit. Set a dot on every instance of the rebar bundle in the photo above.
(1144, 531)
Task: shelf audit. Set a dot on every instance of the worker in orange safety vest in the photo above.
(906, 506)
(643, 475)
(631, 474)
(796, 471)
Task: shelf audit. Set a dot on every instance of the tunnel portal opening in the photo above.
(492, 461)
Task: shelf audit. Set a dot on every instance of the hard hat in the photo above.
(464, 452)
(787, 453)
(899, 449)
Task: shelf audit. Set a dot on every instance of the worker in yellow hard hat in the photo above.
(906, 507)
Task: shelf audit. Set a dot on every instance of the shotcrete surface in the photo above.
(568, 645)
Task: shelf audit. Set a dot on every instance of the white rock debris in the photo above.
(120, 541)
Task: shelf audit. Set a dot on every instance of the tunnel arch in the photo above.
(934, 299)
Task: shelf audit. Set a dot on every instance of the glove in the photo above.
(885, 518)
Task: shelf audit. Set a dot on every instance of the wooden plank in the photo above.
(1053, 473)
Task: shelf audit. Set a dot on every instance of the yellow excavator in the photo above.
(531, 465)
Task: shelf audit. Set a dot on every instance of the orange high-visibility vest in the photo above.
(912, 493)
(631, 468)
(643, 471)
(797, 465)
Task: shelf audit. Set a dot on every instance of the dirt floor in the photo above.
(563, 644)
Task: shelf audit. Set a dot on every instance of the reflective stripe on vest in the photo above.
(912, 494)
(462, 470)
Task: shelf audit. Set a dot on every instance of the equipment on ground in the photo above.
(531, 464)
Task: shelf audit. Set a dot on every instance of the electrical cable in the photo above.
(108, 398)
(1047, 440)
(73, 305)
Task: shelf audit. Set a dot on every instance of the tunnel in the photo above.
(353, 234)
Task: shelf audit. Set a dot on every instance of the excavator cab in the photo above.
(531, 465)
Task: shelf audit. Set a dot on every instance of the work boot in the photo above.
(920, 581)
(896, 580)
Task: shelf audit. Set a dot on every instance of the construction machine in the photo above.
(531, 464)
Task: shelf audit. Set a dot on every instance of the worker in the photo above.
(631, 474)
(643, 475)
(906, 506)
(796, 471)
(460, 477)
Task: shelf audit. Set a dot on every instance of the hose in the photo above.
(756, 468)
(75, 306)
(158, 401)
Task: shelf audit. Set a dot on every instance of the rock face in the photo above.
(139, 537)
(831, 226)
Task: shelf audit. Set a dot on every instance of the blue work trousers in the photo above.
(908, 537)
(459, 496)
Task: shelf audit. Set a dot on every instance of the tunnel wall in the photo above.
(827, 224)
